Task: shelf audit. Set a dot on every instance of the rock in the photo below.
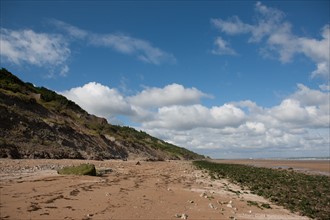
(184, 216)
(204, 195)
(83, 169)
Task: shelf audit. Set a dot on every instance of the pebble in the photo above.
(29, 169)
(184, 216)
(177, 216)
(204, 195)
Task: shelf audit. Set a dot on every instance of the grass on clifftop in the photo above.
(298, 192)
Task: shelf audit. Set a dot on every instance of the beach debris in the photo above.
(250, 211)
(229, 205)
(211, 206)
(190, 201)
(138, 163)
(182, 216)
(203, 195)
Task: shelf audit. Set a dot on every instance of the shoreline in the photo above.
(317, 167)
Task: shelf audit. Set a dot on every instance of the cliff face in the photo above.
(38, 123)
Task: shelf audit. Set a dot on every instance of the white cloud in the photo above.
(180, 117)
(271, 28)
(232, 26)
(173, 94)
(325, 87)
(222, 47)
(123, 43)
(99, 100)
(310, 97)
(41, 49)
(290, 111)
(52, 51)
(142, 49)
(297, 124)
(319, 52)
(300, 123)
(73, 31)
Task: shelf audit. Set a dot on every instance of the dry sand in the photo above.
(31, 189)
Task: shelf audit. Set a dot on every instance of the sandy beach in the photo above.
(32, 189)
(321, 167)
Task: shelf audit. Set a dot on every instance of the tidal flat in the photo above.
(304, 193)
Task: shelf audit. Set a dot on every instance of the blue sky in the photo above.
(229, 79)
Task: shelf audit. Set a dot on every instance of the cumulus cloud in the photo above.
(275, 32)
(310, 97)
(122, 43)
(99, 100)
(299, 123)
(173, 94)
(41, 49)
(180, 117)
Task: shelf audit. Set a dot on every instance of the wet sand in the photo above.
(321, 167)
(32, 189)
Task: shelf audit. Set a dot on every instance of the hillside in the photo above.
(36, 122)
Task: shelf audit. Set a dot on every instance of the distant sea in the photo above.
(295, 158)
